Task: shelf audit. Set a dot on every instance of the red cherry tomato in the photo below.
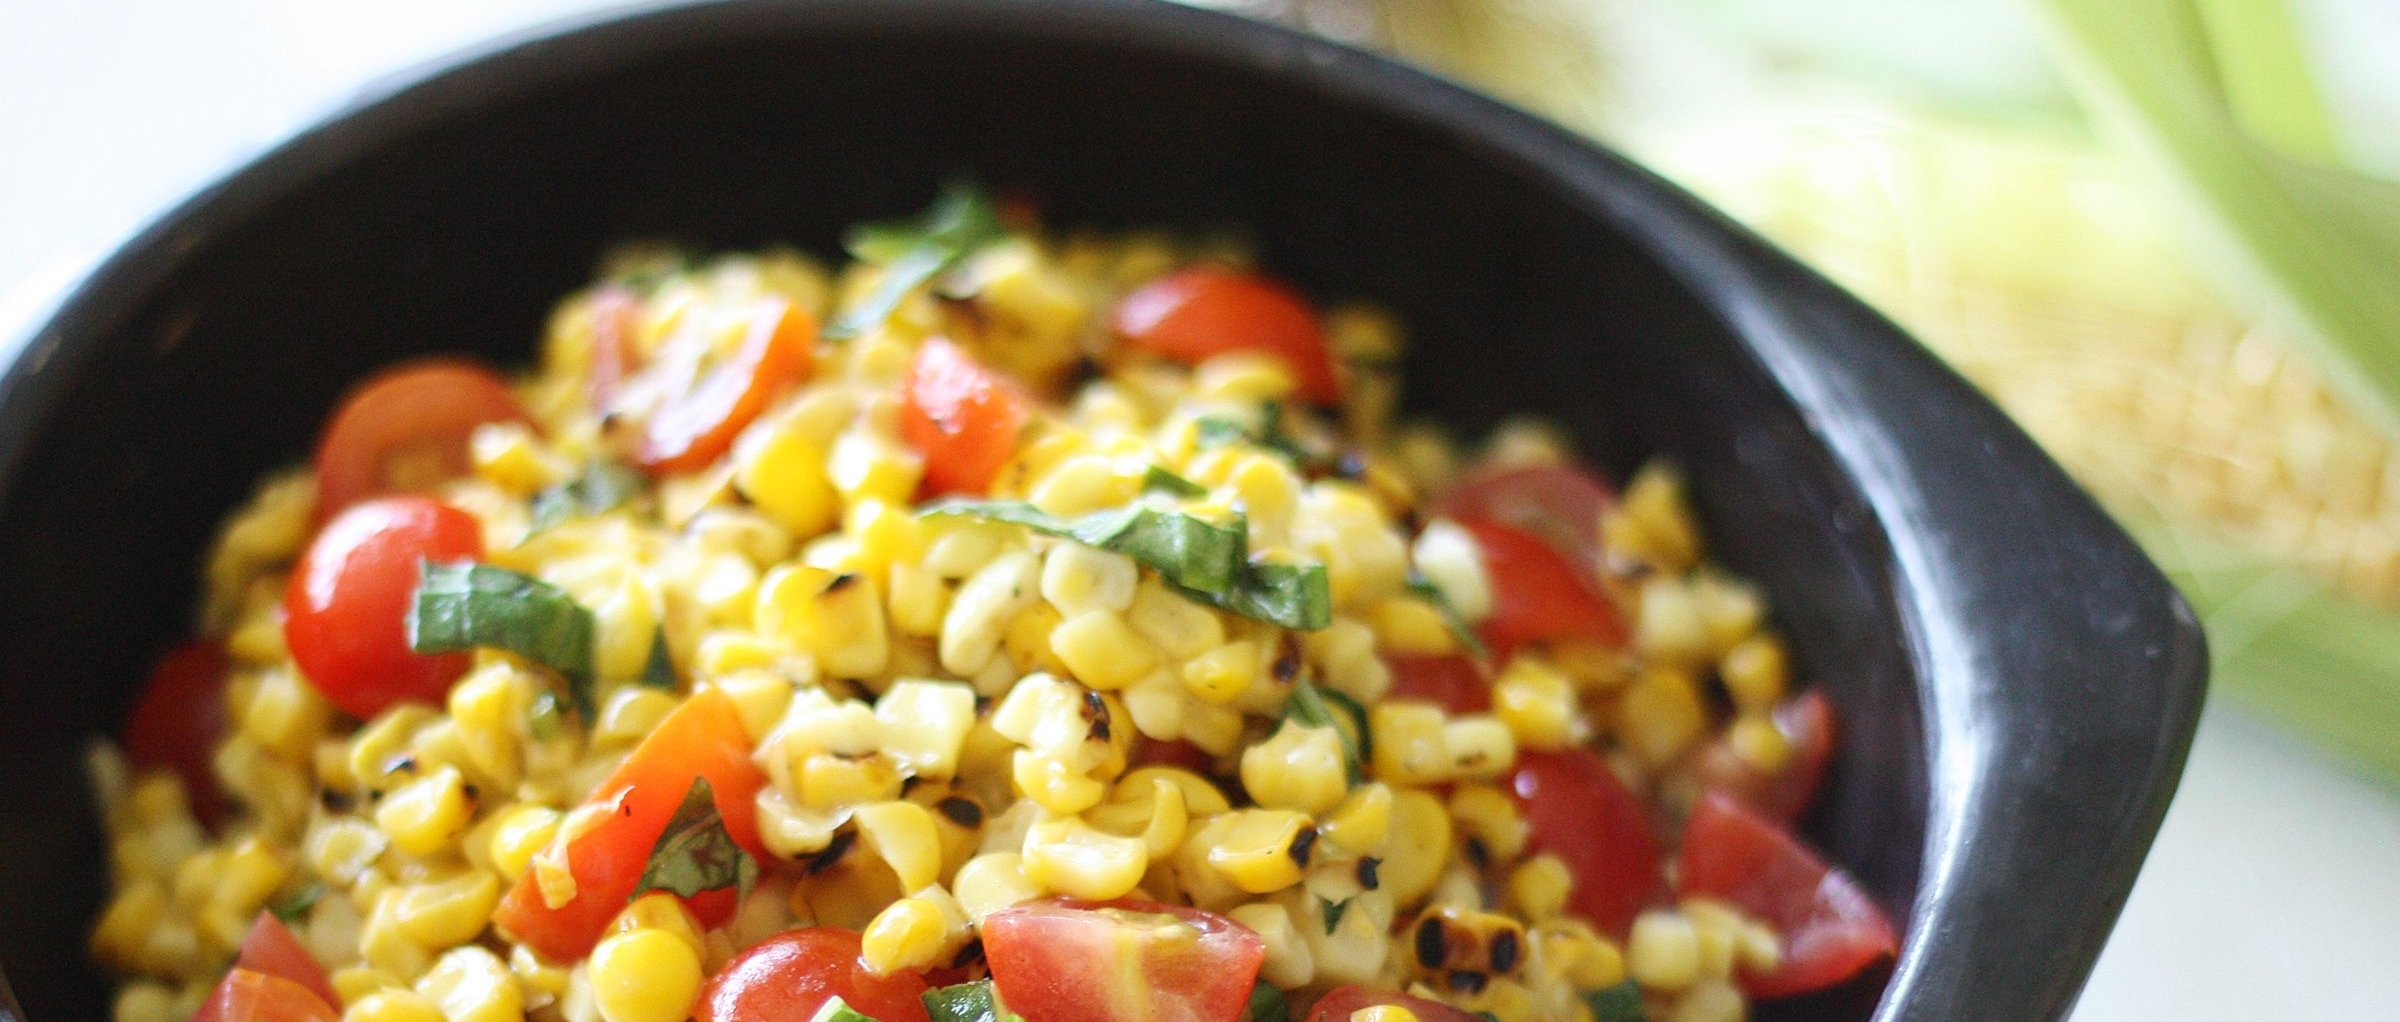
(177, 720)
(1195, 314)
(965, 418)
(792, 974)
(1576, 809)
(405, 429)
(1536, 595)
(1120, 961)
(1339, 1002)
(1807, 723)
(248, 996)
(701, 738)
(345, 610)
(696, 416)
(1829, 927)
(1451, 682)
(1559, 504)
(271, 948)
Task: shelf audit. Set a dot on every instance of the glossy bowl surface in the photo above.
(2018, 684)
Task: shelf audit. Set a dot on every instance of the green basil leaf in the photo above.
(695, 853)
(1217, 431)
(604, 486)
(1451, 619)
(1620, 1003)
(1334, 910)
(466, 604)
(1159, 480)
(658, 671)
(838, 1010)
(1206, 562)
(1296, 596)
(292, 906)
(1266, 1004)
(961, 221)
(972, 1001)
(1308, 706)
(1348, 705)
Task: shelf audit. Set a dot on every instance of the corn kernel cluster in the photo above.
(954, 715)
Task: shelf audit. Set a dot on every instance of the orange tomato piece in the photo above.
(964, 417)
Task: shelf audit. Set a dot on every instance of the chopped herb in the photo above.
(1453, 620)
(464, 605)
(1218, 431)
(296, 904)
(604, 486)
(1266, 1004)
(1159, 480)
(1206, 562)
(695, 853)
(658, 671)
(913, 252)
(542, 719)
(838, 1010)
(1308, 707)
(1487, 1016)
(1334, 910)
(1349, 705)
(1620, 1003)
(966, 1002)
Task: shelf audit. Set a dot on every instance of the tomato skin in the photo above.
(1829, 927)
(177, 720)
(345, 609)
(407, 427)
(1536, 595)
(792, 974)
(697, 426)
(964, 417)
(1063, 961)
(1559, 504)
(1452, 682)
(1339, 1002)
(1195, 314)
(1808, 724)
(1148, 751)
(271, 948)
(250, 996)
(1576, 809)
(701, 738)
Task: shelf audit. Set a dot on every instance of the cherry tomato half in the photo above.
(1830, 928)
(697, 415)
(177, 720)
(792, 974)
(1559, 504)
(966, 419)
(345, 610)
(1576, 809)
(271, 948)
(1452, 682)
(1339, 1002)
(1195, 314)
(1807, 723)
(1120, 961)
(405, 430)
(701, 738)
(1536, 594)
(249, 996)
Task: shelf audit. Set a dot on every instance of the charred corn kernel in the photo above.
(378, 749)
(865, 465)
(1757, 740)
(1538, 704)
(1288, 964)
(1730, 609)
(1409, 626)
(1490, 816)
(1102, 650)
(1710, 1001)
(1663, 951)
(1265, 850)
(424, 815)
(394, 1006)
(1668, 626)
(447, 912)
(1660, 715)
(471, 984)
(1083, 484)
(1180, 627)
(1418, 846)
(285, 716)
(1651, 521)
(1537, 887)
(631, 713)
(1065, 855)
(726, 652)
(1219, 675)
(979, 614)
(903, 835)
(760, 697)
(521, 833)
(1298, 768)
(991, 882)
(1077, 579)
(784, 472)
(908, 935)
(662, 912)
(1755, 671)
(917, 602)
(644, 976)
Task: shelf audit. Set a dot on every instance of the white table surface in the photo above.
(2274, 889)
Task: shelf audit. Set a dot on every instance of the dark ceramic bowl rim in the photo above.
(1872, 413)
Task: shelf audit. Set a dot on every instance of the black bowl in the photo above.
(2018, 684)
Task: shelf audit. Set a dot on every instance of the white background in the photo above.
(2274, 890)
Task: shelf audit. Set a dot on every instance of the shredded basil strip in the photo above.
(296, 904)
(1334, 910)
(1206, 562)
(1620, 1003)
(466, 604)
(1159, 480)
(966, 1002)
(1308, 706)
(542, 718)
(838, 1010)
(961, 221)
(1218, 431)
(1453, 620)
(1266, 1004)
(658, 671)
(1337, 699)
(695, 853)
(604, 486)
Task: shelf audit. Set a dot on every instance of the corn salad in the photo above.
(925, 541)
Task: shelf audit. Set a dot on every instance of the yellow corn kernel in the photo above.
(917, 601)
(644, 976)
(1297, 767)
(904, 836)
(1221, 674)
(1757, 740)
(489, 706)
(394, 1006)
(887, 533)
(1572, 953)
(1102, 650)
(979, 614)
(1067, 856)
(250, 871)
(1418, 847)
(1359, 948)
(1177, 625)
(471, 984)
(1083, 484)
(1077, 579)
(1756, 948)
(1153, 811)
(725, 652)
(447, 912)
(1409, 626)
(1265, 850)
(908, 935)
(630, 713)
(1288, 964)
(1489, 816)
(284, 715)
(125, 927)
(340, 849)
(147, 1000)
(381, 743)
(1710, 1001)
(1408, 746)
(1663, 951)
(865, 465)
(1027, 640)
(1537, 887)
(382, 943)
(358, 982)
(1345, 650)
(1730, 609)
(1668, 627)
(1055, 783)
(521, 833)
(760, 696)
(1719, 929)
(991, 882)
(663, 913)
(423, 816)
(837, 617)
(1756, 671)
(784, 473)
(828, 780)
(1538, 704)
(924, 724)
(1652, 522)
(1200, 796)
(1243, 377)
(1361, 823)
(1660, 715)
